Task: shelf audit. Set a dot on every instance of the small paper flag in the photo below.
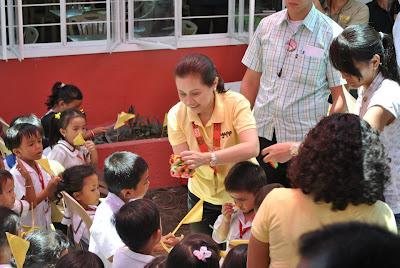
(3, 149)
(19, 247)
(167, 249)
(4, 125)
(165, 123)
(194, 215)
(237, 242)
(28, 229)
(79, 140)
(44, 163)
(122, 118)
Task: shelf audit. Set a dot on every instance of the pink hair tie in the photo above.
(202, 254)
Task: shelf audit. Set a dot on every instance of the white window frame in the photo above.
(117, 41)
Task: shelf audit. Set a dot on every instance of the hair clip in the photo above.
(57, 115)
(202, 254)
(382, 35)
(62, 85)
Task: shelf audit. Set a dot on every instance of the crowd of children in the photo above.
(339, 176)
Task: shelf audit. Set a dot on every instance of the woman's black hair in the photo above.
(199, 64)
(359, 43)
(136, 222)
(236, 258)
(123, 170)
(62, 122)
(66, 93)
(182, 255)
(9, 222)
(46, 247)
(80, 259)
(341, 162)
(72, 179)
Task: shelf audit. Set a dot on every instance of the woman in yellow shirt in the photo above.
(339, 176)
(211, 129)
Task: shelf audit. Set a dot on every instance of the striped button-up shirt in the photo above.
(294, 85)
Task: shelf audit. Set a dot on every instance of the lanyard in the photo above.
(216, 137)
(242, 231)
(40, 175)
(204, 148)
(41, 180)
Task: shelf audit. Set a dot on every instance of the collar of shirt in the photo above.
(136, 256)
(67, 145)
(367, 92)
(217, 115)
(309, 21)
(28, 167)
(114, 202)
(327, 8)
(241, 219)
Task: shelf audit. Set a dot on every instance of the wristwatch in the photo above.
(213, 159)
(294, 149)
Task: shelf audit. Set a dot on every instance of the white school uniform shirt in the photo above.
(104, 239)
(21, 207)
(5, 266)
(396, 38)
(386, 93)
(234, 230)
(79, 229)
(124, 257)
(69, 156)
(42, 211)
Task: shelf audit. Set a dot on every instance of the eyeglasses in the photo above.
(290, 46)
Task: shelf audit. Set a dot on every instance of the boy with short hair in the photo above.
(32, 182)
(7, 195)
(138, 225)
(242, 183)
(127, 177)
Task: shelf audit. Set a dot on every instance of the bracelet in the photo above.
(294, 149)
(28, 186)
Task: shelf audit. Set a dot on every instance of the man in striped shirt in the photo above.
(289, 76)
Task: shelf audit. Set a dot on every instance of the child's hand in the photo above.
(99, 130)
(171, 240)
(90, 146)
(22, 170)
(227, 211)
(52, 185)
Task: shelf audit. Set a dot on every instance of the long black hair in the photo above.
(359, 43)
(65, 92)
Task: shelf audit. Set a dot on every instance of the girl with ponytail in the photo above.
(63, 97)
(210, 129)
(367, 60)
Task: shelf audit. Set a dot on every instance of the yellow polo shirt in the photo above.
(286, 214)
(233, 111)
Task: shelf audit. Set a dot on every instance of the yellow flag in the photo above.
(194, 215)
(44, 163)
(122, 118)
(237, 242)
(165, 123)
(19, 247)
(79, 140)
(3, 149)
(4, 125)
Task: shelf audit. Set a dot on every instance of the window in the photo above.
(34, 28)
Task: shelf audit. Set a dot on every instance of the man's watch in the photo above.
(213, 159)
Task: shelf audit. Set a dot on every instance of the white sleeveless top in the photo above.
(386, 93)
